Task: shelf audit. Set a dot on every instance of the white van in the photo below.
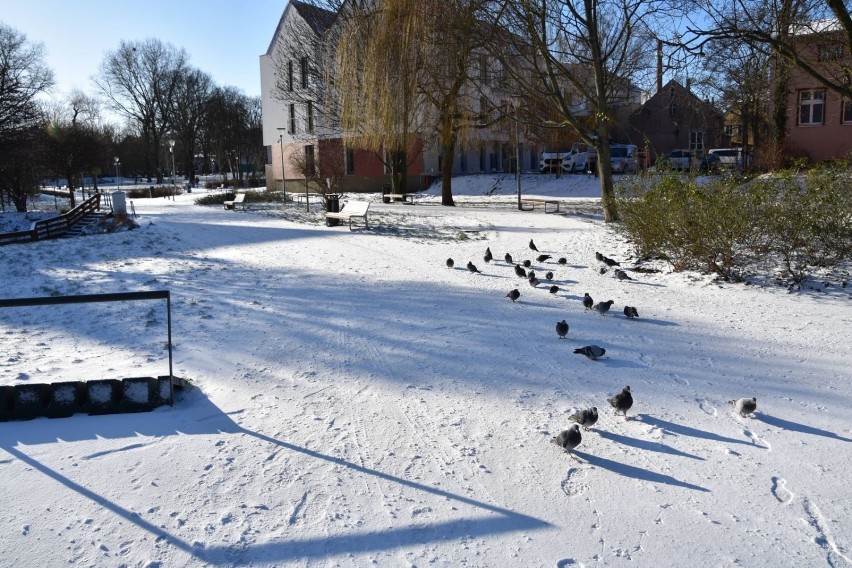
(623, 158)
(728, 157)
(573, 160)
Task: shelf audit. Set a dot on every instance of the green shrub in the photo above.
(730, 226)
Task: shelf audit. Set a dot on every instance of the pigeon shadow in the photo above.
(797, 427)
(654, 284)
(680, 429)
(645, 445)
(637, 472)
(656, 322)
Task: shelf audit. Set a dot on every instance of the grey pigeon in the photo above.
(603, 270)
(508, 258)
(513, 294)
(569, 439)
(744, 406)
(599, 257)
(488, 257)
(631, 312)
(520, 271)
(562, 260)
(450, 263)
(622, 401)
(591, 351)
(621, 275)
(472, 267)
(532, 246)
(603, 307)
(562, 329)
(543, 257)
(531, 274)
(527, 264)
(610, 262)
(554, 289)
(587, 301)
(534, 282)
(585, 418)
(549, 276)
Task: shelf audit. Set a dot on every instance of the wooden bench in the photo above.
(352, 209)
(238, 200)
(309, 197)
(402, 197)
(531, 203)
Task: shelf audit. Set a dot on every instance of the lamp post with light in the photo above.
(172, 152)
(281, 143)
(117, 170)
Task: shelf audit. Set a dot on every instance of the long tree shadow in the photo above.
(201, 417)
(637, 472)
(797, 427)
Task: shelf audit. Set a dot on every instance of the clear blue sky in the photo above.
(222, 37)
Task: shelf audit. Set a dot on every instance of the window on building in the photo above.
(289, 75)
(846, 115)
(483, 69)
(305, 70)
(350, 161)
(310, 116)
(310, 163)
(696, 141)
(672, 108)
(292, 119)
(811, 107)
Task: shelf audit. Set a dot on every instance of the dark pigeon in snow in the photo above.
(562, 329)
(744, 406)
(631, 312)
(603, 307)
(527, 264)
(549, 276)
(591, 351)
(532, 246)
(488, 256)
(542, 257)
(585, 418)
(610, 262)
(588, 302)
(569, 439)
(622, 401)
(508, 258)
(621, 275)
(450, 263)
(554, 289)
(520, 271)
(562, 260)
(513, 294)
(472, 267)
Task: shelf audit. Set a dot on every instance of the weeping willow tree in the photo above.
(378, 58)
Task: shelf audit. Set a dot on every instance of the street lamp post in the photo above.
(283, 183)
(516, 102)
(117, 170)
(172, 152)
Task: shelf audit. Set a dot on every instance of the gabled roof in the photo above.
(319, 19)
(671, 87)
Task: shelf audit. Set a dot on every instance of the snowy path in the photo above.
(363, 403)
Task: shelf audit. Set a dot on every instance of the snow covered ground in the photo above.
(360, 404)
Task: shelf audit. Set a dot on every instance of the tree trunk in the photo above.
(448, 148)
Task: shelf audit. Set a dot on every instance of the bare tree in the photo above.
(140, 81)
(188, 113)
(23, 77)
(578, 57)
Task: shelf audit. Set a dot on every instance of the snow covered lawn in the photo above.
(360, 404)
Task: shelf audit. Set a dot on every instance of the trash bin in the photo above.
(332, 205)
(386, 189)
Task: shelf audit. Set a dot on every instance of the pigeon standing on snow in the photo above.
(609, 262)
(562, 260)
(587, 301)
(508, 258)
(622, 401)
(603, 307)
(472, 267)
(520, 271)
(542, 257)
(744, 406)
(585, 418)
(599, 257)
(593, 352)
(527, 264)
(488, 256)
(450, 263)
(631, 312)
(534, 282)
(554, 289)
(562, 329)
(513, 294)
(549, 276)
(621, 275)
(532, 246)
(531, 274)
(569, 439)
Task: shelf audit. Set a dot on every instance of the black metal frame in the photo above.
(95, 298)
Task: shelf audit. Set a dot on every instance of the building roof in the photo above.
(319, 19)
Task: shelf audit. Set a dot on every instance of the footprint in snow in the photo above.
(780, 491)
(706, 407)
(571, 485)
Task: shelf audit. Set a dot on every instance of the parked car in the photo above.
(709, 163)
(569, 161)
(679, 159)
(622, 158)
(728, 157)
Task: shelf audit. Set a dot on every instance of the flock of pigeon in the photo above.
(621, 402)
